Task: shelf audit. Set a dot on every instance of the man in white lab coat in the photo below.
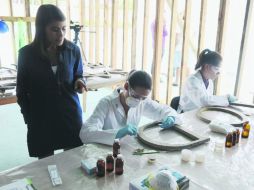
(198, 89)
(119, 114)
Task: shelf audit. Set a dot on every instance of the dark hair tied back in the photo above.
(208, 57)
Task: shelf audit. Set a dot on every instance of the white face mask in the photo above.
(133, 99)
(132, 102)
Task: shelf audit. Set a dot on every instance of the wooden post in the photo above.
(91, 35)
(181, 25)
(28, 24)
(221, 31)
(82, 21)
(145, 33)
(244, 44)
(172, 44)
(84, 101)
(202, 22)
(82, 13)
(97, 28)
(134, 34)
(125, 36)
(106, 31)
(158, 49)
(13, 33)
(16, 19)
(114, 33)
(186, 43)
(68, 19)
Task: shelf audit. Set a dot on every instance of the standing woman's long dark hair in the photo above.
(46, 14)
(208, 57)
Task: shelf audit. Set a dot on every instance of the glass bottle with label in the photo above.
(100, 167)
(110, 163)
(234, 138)
(246, 130)
(119, 165)
(229, 139)
(116, 147)
(237, 135)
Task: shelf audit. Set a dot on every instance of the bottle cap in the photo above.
(186, 155)
(116, 140)
(100, 158)
(219, 144)
(120, 156)
(109, 154)
(200, 157)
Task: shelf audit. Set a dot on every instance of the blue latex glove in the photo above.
(168, 122)
(127, 130)
(232, 99)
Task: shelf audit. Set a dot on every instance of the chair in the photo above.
(175, 102)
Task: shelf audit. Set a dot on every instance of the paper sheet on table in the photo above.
(23, 184)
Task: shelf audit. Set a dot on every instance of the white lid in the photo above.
(218, 149)
(200, 157)
(120, 156)
(109, 153)
(100, 158)
(219, 143)
(186, 151)
(116, 140)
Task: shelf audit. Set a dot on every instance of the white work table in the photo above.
(228, 170)
(92, 83)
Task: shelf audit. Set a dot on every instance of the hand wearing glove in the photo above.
(127, 130)
(232, 99)
(168, 122)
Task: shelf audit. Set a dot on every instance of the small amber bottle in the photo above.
(237, 135)
(246, 130)
(110, 163)
(229, 139)
(119, 165)
(100, 167)
(116, 147)
(234, 138)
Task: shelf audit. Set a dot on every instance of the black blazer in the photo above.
(48, 101)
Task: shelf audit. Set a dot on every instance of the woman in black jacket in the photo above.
(50, 72)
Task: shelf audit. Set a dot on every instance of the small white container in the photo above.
(219, 146)
(186, 155)
(200, 157)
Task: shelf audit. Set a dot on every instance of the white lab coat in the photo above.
(109, 116)
(196, 95)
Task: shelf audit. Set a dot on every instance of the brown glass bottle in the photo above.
(246, 130)
(229, 139)
(237, 135)
(234, 138)
(119, 165)
(100, 167)
(116, 147)
(110, 163)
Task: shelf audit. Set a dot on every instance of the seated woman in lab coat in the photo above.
(198, 89)
(119, 114)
